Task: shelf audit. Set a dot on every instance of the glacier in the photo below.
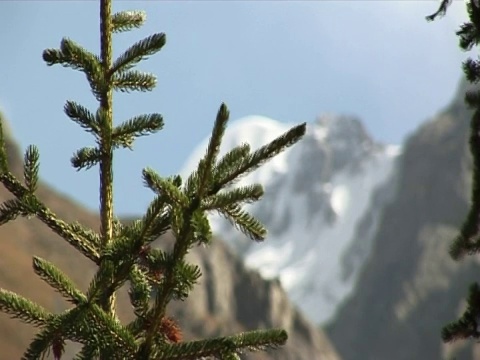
(323, 199)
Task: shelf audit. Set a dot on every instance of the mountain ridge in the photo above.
(410, 287)
(312, 206)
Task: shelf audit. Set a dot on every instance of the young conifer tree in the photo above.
(122, 252)
(468, 240)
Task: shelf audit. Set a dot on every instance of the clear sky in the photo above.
(290, 61)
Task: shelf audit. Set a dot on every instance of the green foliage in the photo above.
(56, 279)
(31, 165)
(20, 308)
(123, 253)
(127, 20)
(137, 52)
(468, 326)
(468, 240)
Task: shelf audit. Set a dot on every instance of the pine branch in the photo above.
(181, 226)
(119, 260)
(464, 243)
(59, 281)
(164, 187)
(468, 325)
(49, 218)
(44, 339)
(83, 117)
(223, 347)
(140, 291)
(225, 168)
(63, 229)
(87, 324)
(206, 164)
(261, 339)
(195, 349)
(86, 158)
(91, 236)
(245, 222)
(186, 276)
(11, 209)
(133, 80)
(128, 20)
(262, 155)
(100, 286)
(229, 164)
(30, 168)
(21, 308)
(122, 249)
(238, 196)
(113, 334)
(471, 68)
(442, 10)
(138, 52)
(156, 220)
(74, 56)
(202, 232)
(124, 134)
(83, 324)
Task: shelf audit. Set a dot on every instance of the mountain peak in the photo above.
(316, 194)
(257, 121)
(340, 125)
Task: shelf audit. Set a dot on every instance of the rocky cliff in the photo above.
(228, 299)
(410, 288)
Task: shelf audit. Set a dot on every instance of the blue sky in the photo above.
(291, 61)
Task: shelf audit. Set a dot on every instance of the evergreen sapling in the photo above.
(123, 253)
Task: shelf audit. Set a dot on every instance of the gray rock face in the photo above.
(230, 299)
(410, 288)
(348, 141)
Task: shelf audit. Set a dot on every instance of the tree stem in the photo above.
(106, 172)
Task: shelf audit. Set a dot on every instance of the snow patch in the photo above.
(340, 199)
(254, 130)
(306, 249)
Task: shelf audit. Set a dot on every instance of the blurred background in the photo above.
(360, 212)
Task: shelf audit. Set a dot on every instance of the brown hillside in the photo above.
(228, 299)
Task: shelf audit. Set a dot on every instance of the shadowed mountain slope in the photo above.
(410, 287)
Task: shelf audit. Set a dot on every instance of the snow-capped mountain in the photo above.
(321, 205)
